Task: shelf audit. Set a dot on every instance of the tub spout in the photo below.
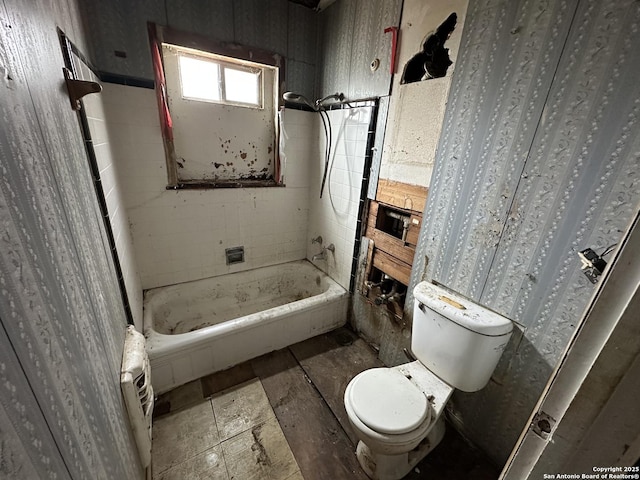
(319, 256)
(323, 254)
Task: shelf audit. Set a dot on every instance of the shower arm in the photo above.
(349, 101)
(318, 105)
(339, 97)
(299, 99)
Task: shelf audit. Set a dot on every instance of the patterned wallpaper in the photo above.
(539, 158)
(352, 36)
(276, 25)
(63, 323)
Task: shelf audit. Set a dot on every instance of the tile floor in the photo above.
(281, 417)
(234, 434)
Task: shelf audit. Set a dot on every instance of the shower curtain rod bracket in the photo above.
(78, 88)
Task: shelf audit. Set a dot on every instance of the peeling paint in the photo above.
(238, 134)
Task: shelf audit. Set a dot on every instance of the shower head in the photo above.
(297, 99)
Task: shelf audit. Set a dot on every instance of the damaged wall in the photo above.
(416, 112)
(182, 236)
(416, 109)
(214, 141)
(538, 159)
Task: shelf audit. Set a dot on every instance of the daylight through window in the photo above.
(212, 78)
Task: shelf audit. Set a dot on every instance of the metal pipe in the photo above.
(405, 222)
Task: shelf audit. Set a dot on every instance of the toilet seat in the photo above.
(387, 402)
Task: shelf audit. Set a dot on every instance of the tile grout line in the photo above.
(271, 417)
(191, 457)
(224, 458)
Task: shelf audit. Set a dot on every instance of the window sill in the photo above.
(210, 184)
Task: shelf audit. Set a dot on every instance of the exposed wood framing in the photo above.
(396, 247)
(402, 195)
(393, 267)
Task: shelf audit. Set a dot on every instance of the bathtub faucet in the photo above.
(389, 297)
(323, 254)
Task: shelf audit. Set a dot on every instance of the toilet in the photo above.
(396, 412)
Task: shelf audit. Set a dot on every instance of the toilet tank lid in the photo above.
(461, 310)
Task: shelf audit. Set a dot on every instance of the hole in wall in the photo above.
(395, 222)
(385, 291)
(433, 60)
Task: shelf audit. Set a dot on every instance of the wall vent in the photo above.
(135, 383)
(234, 255)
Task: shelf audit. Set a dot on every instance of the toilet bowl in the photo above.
(397, 413)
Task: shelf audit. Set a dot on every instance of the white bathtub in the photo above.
(201, 327)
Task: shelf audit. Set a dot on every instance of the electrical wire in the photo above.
(608, 250)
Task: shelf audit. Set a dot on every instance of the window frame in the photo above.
(159, 34)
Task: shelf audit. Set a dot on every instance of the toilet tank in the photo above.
(458, 340)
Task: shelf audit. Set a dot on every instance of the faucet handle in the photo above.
(331, 248)
(317, 240)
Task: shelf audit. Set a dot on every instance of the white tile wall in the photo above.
(182, 235)
(334, 216)
(112, 184)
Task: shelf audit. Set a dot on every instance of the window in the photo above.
(210, 78)
(218, 105)
(199, 79)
